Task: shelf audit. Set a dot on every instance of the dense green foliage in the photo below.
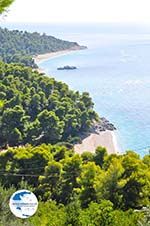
(37, 109)
(18, 46)
(4, 4)
(37, 112)
(77, 190)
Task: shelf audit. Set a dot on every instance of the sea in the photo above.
(114, 69)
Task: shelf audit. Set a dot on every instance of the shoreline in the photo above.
(43, 57)
(107, 139)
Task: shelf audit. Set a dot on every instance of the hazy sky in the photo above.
(80, 11)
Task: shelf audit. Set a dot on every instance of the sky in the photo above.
(50, 11)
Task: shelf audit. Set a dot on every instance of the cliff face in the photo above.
(103, 125)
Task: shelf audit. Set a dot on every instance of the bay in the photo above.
(115, 70)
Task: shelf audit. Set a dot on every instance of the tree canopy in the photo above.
(75, 191)
(4, 4)
(37, 109)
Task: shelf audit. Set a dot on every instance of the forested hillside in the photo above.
(87, 190)
(37, 116)
(37, 109)
(19, 46)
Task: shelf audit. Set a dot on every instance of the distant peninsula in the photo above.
(22, 46)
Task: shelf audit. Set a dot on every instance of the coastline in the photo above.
(107, 139)
(43, 57)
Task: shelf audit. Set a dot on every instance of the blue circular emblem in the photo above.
(23, 204)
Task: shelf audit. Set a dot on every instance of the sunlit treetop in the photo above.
(4, 5)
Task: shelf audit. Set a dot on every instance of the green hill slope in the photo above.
(18, 46)
(35, 108)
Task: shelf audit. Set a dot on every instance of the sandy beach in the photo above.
(42, 57)
(106, 139)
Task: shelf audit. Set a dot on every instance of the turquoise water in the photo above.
(115, 70)
(119, 85)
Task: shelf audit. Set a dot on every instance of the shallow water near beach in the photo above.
(115, 70)
(119, 86)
